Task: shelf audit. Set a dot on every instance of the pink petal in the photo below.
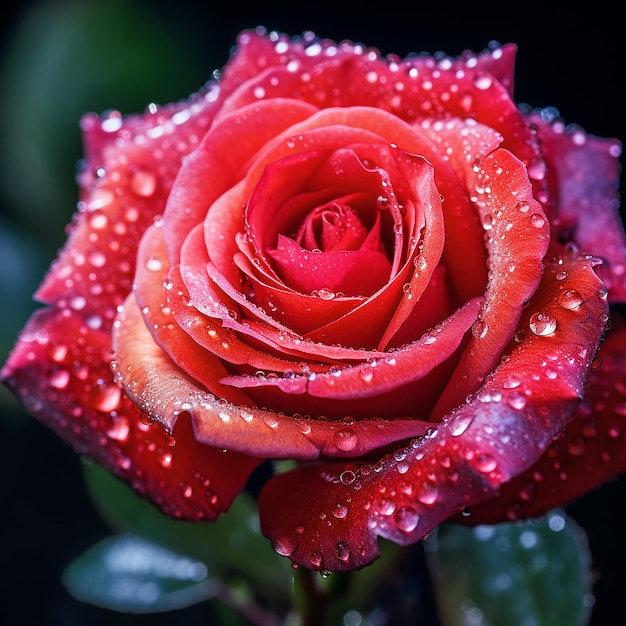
(518, 236)
(61, 370)
(165, 392)
(584, 171)
(328, 517)
(587, 453)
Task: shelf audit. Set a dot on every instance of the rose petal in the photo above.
(328, 517)
(165, 392)
(61, 370)
(587, 453)
(214, 166)
(584, 170)
(463, 230)
(517, 237)
(395, 370)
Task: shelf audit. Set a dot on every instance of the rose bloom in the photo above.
(381, 269)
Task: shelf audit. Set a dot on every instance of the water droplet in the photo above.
(347, 477)
(107, 398)
(516, 400)
(479, 329)
(482, 81)
(59, 379)
(346, 439)
(570, 299)
(407, 518)
(342, 550)
(537, 220)
(119, 429)
(316, 559)
(326, 294)
(485, 463)
(427, 493)
(542, 323)
(143, 182)
(386, 507)
(284, 547)
(165, 460)
(460, 423)
(487, 221)
(340, 510)
(153, 264)
(366, 374)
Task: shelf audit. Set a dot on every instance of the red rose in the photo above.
(382, 269)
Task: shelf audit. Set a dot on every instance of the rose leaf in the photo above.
(537, 572)
(233, 543)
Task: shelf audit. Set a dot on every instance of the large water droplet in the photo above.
(119, 429)
(570, 299)
(143, 183)
(59, 379)
(542, 323)
(342, 550)
(340, 510)
(427, 493)
(407, 518)
(107, 398)
(461, 422)
(485, 463)
(346, 439)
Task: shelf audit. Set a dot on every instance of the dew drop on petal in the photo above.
(153, 264)
(460, 423)
(143, 183)
(107, 398)
(570, 299)
(516, 400)
(284, 547)
(479, 329)
(537, 220)
(342, 550)
(326, 294)
(59, 379)
(485, 463)
(407, 518)
(542, 323)
(119, 429)
(346, 439)
(427, 493)
(340, 510)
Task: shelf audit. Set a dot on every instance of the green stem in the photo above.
(309, 599)
(317, 598)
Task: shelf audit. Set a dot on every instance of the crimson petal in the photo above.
(587, 453)
(165, 392)
(585, 173)
(517, 235)
(329, 516)
(61, 370)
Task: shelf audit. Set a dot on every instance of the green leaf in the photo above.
(128, 574)
(531, 574)
(232, 546)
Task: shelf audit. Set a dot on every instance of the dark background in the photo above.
(571, 60)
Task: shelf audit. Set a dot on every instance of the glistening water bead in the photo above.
(542, 323)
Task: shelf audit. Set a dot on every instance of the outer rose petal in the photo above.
(517, 238)
(328, 517)
(61, 370)
(587, 453)
(584, 172)
(165, 392)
